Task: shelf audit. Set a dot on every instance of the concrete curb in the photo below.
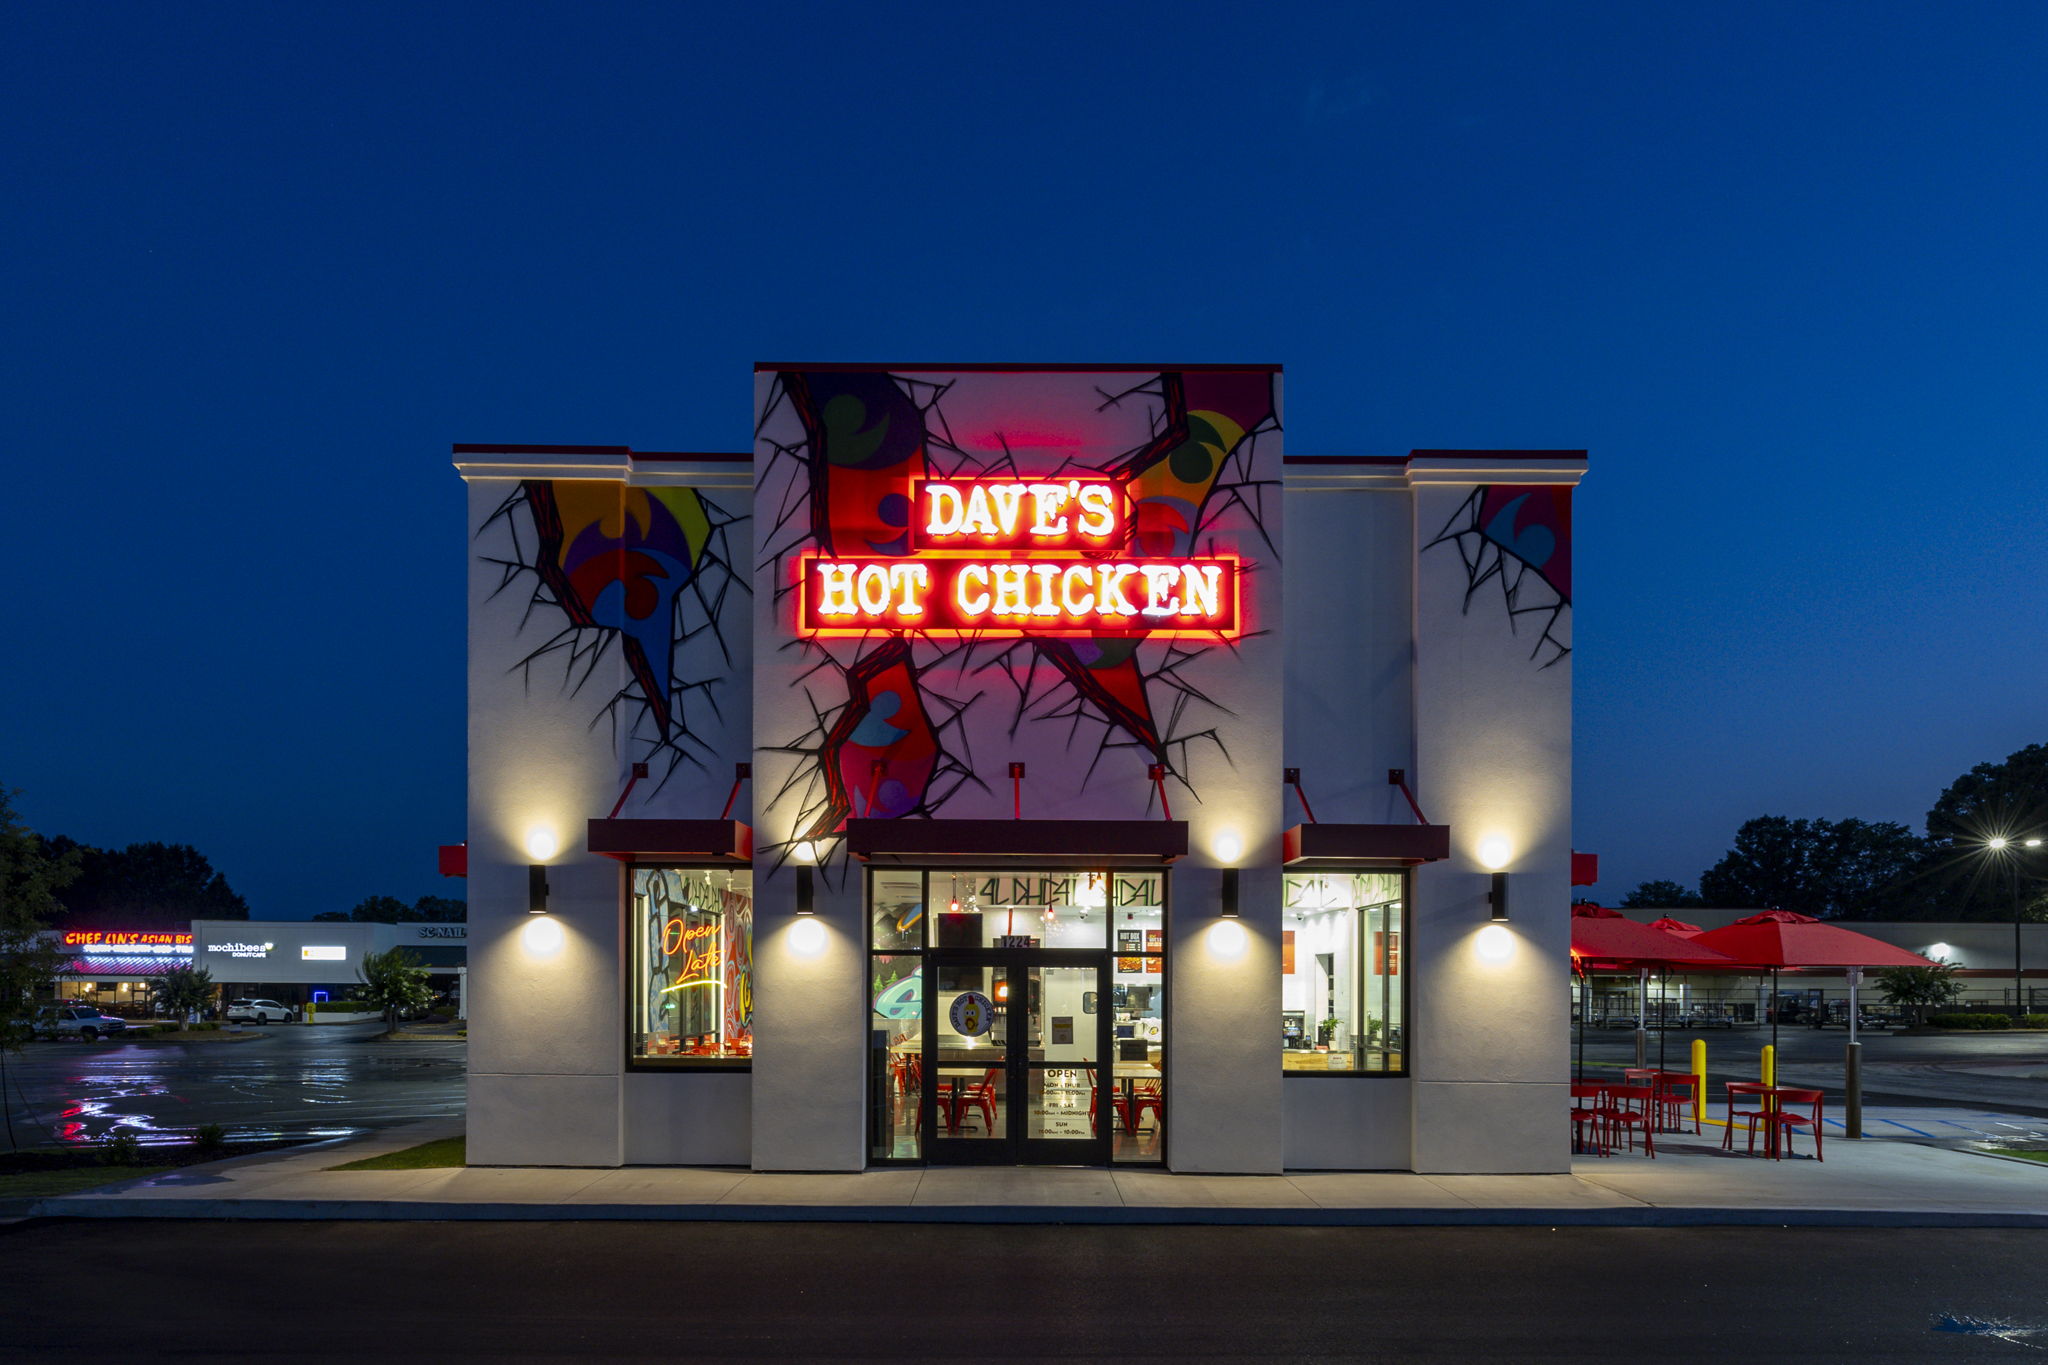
(369, 1210)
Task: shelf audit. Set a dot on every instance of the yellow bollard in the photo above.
(1699, 1083)
(1770, 1065)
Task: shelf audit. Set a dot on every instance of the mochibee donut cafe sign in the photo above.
(1019, 557)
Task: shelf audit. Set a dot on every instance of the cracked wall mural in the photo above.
(639, 583)
(1518, 539)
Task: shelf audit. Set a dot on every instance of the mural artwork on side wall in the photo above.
(1519, 536)
(962, 551)
(645, 571)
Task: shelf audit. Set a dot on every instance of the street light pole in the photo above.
(2001, 845)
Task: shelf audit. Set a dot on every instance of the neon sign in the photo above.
(1012, 556)
(119, 943)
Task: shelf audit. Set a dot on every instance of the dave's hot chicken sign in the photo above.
(1019, 556)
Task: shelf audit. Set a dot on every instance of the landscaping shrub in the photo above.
(2034, 1021)
(210, 1138)
(121, 1150)
(1973, 1021)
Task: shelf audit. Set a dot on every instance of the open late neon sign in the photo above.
(1019, 556)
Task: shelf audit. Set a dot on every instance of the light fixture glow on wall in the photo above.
(1495, 943)
(542, 937)
(1227, 938)
(1494, 853)
(541, 844)
(1228, 847)
(807, 937)
(804, 851)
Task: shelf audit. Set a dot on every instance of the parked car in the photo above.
(77, 1021)
(260, 1012)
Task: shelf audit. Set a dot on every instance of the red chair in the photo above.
(1588, 1116)
(1749, 1118)
(1148, 1096)
(1632, 1107)
(980, 1095)
(1676, 1093)
(1784, 1122)
(1121, 1105)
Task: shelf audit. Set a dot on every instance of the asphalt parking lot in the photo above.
(287, 1080)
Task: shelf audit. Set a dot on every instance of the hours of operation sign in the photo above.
(971, 1014)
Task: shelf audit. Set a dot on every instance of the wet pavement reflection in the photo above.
(330, 1081)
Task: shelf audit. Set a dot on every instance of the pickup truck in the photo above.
(77, 1021)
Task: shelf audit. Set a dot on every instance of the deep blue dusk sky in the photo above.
(1780, 268)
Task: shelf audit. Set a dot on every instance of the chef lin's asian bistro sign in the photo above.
(1011, 556)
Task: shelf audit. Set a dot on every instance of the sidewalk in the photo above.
(1691, 1183)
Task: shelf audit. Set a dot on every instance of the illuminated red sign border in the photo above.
(1017, 557)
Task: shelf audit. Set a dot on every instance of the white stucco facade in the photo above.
(1406, 613)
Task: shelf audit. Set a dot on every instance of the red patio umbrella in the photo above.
(1675, 926)
(1608, 938)
(1781, 939)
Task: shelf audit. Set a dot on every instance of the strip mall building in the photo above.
(1018, 765)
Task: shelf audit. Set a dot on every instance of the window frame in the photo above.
(1406, 873)
(629, 969)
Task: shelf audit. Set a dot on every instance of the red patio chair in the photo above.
(1784, 1122)
(1632, 1107)
(1759, 1093)
(1588, 1116)
(1676, 1091)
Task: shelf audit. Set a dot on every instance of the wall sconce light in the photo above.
(536, 889)
(807, 937)
(543, 936)
(1497, 897)
(805, 893)
(1230, 893)
(1227, 938)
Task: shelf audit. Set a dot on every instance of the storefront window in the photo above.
(692, 978)
(1341, 1002)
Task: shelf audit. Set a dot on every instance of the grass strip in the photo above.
(426, 1156)
(43, 1184)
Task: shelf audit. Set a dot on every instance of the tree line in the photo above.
(164, 887)
(1880, 870)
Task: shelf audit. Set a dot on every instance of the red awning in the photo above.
(1779, 938)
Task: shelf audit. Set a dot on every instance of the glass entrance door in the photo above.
(1014, 1057)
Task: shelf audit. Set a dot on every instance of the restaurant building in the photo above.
(1019, 765)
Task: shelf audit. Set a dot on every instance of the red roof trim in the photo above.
(486, 448)
(1496, 454)
(984, 367)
